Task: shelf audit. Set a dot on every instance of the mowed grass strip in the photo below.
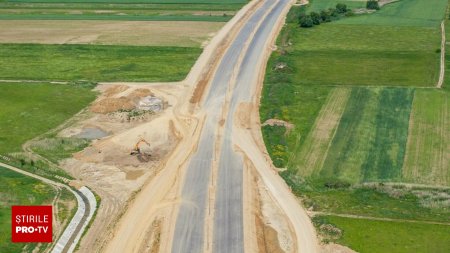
(29, 110)
(370, 141)
(99, 63)
(17, 189)
(372, 236)
(427, 158)
(421, 13)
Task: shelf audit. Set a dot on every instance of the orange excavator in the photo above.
(137, 150)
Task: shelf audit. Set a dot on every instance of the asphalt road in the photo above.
(228, 218)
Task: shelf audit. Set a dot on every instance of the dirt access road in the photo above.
(200, 190)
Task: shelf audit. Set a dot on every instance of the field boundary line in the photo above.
(442, 65)
(362, 217)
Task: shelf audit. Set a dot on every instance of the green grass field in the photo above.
(29, 110)
(421, 13)
(365, 55)
(99, 63)
(16, 189)
(370, 236)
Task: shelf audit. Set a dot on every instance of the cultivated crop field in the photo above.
(428, 150)
(99, 63)
(215, 11)
(369, 144)
(142, 33)
(366, 119)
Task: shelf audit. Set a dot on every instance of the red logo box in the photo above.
(31, 223)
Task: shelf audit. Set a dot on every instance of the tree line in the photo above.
(324, 16)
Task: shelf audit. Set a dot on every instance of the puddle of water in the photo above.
(91, 133)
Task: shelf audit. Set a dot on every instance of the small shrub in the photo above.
(341, 8)
(316, 18)
(333, 12)
(325, 16)
(306, 21)
(334, 184)
(349, 14)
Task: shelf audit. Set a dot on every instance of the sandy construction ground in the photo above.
(106, 166)
(139, 33)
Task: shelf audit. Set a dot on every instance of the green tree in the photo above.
(341, 8)
(306, 21)
(316, 18)
(372, 5)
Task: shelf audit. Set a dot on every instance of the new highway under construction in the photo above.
(200, 192)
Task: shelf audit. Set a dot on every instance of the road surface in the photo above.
(244, 57)
(190, 224)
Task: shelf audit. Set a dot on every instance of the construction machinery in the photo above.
(137, 149)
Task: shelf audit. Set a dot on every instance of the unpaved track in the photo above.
(442, 65)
